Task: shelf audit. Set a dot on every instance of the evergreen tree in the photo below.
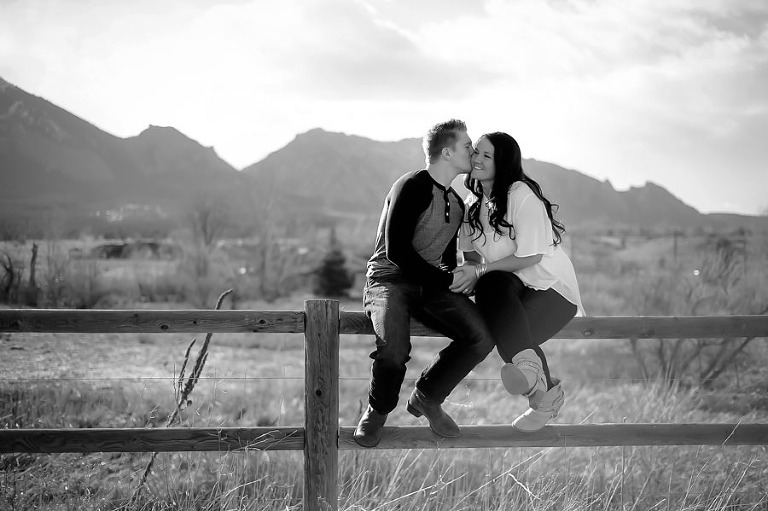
(332, 277)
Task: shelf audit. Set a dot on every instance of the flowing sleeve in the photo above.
(533, 230)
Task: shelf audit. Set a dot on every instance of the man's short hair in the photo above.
(441, 135)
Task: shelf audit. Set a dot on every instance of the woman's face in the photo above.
(483, 167)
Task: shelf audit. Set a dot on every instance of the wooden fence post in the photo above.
(321, 398)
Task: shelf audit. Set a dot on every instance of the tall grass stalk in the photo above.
(183, 397)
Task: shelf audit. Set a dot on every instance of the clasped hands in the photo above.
(465, 277)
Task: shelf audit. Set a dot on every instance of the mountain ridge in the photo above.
(576, 193)
(49, 156)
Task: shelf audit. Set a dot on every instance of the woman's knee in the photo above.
(497, 284)
(481, 345)
(487, 285)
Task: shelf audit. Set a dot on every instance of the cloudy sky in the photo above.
(669, 91)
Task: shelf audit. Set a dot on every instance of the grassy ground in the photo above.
(110, 380)
(107, 380)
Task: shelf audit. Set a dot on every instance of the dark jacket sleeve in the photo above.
(408, 199)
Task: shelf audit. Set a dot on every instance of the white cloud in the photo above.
(629, 91)
(665, 90)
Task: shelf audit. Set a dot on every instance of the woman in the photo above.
(523, 281)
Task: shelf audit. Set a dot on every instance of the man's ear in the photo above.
(446, 152)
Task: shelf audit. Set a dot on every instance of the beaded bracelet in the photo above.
(480, 270)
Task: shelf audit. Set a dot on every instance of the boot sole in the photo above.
(528, 430)
(528, 419)
(418, 413)
(363, 444)
(514, 380)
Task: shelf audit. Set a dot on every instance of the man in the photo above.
(408, 276)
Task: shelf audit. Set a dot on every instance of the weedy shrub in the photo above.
(83, 288)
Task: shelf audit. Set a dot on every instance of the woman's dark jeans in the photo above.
(520, 317)
(390, 304)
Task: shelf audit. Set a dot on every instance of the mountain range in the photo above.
(50, 158)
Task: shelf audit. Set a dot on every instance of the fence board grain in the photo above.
(568, 435)
(150, 440)
(321, 404)
(355, 322)
(616, 327)
(406, 437)
(150, 321)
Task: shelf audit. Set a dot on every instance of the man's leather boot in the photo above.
(368, 431)
(439, 421)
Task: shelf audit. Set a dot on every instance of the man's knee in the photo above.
(392, 354)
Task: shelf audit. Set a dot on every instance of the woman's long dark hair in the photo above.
(508, 161)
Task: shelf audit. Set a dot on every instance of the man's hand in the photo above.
(464, 279)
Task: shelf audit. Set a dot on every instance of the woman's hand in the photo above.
(464, 279)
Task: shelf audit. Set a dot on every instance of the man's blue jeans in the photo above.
(390, 304)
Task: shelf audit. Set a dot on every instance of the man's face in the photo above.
(461, 153)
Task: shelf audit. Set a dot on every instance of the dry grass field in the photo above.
(110, 380)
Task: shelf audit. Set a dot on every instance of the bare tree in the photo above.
(275, 258)
(209, 217)
(10, 281)
(32, 291)
(719, 283)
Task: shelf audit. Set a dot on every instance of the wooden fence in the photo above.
(321, 322)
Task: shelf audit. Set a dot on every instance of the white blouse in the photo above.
(532, 232)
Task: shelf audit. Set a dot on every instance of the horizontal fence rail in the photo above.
(150, 321)
(355, 322)
(405, 437)
(150, 440)
(321, 438)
